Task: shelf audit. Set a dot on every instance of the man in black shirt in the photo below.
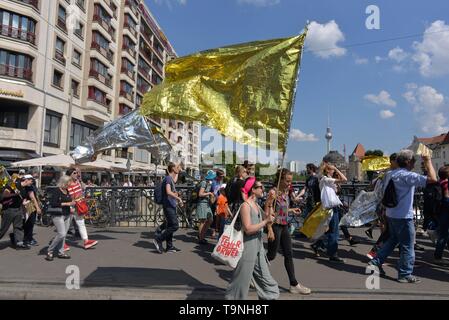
(312, 188)
(12, 207)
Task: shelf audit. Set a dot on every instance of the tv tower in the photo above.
(328, 135)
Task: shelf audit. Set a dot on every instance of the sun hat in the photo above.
(211, 175)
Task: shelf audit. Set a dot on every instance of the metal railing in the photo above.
(18, 33)
(135, 206)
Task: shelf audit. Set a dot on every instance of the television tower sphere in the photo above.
(328, 135)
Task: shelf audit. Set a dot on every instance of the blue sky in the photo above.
(379, 94)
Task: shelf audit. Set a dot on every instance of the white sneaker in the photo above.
(299, 288)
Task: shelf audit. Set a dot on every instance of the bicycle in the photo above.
(96, 215)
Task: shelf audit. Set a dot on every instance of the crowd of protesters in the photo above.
(219, 198)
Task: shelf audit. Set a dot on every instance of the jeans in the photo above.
(402, 232)
(282, 238)
(62, 224)
(222, 223)
(331, 236)
(13, 216)
(28, 227)
(443, 223)
(171, 225)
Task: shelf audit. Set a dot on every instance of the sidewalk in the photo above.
(124, 265)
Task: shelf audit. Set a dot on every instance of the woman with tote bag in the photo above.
(253, 264)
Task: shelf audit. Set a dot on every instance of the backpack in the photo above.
(195, 195)
(390, 199)
(158, 193)
(433, 195)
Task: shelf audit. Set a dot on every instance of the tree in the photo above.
(377, 152)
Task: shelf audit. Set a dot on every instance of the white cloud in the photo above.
(298, 135)
(260, 3)
(430, 108)
(361, 61)
(379, 59)
(386, 114)
(432, 53)
(322, 39)
(383, 98)
(397, 54)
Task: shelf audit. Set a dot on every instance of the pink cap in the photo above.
(248, 185)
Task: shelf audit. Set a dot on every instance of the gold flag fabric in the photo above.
(375, 163)
(233, 89)
(317, 222)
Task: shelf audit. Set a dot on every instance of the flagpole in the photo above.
(284, 151)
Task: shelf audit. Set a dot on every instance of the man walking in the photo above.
(169, 201)
(400, 217)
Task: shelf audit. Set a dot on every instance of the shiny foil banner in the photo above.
(317, 222)
(233, 89)
(375, 163)
(363, 209)
(131, 130)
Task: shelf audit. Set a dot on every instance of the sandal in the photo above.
(49, 257)
(63, 256)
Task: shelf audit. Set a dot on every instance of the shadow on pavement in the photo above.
(144, 244)
(151, 278)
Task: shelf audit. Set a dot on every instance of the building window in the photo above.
(14, 117)
(58, 79)
(79, 29)
(79, 132)
(76, 58)
(138, 100)
(59, 50)
(62, 16)
(17, 26)
(81, 4)
(52, 130)
(75, 88)
(16, 65)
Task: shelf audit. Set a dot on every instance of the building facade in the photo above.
(67, 67)
(355, 172)
(440, 148)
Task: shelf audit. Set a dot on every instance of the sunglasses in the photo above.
(257, 187)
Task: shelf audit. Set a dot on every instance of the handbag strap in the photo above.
(235, 216)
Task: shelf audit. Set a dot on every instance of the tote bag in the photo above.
(229, 248)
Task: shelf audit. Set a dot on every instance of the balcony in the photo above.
(100, 100)
(133, 6)
(19, 34)
(131, 28)
(124, 109)
(33, 3)
(145, 73)
(15, 72)
(107, 80)
(124, 154)
(105, 24)
(158, 69)
(143, 88)
(130, 50)
(59, 56)
(61, 23)
(127, 95)
(129, 72)
(107, 53)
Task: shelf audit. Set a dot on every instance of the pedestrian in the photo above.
(30, 218)
(216, 184)
(382, 215)
(203, 209)
(330, 200)
(234, 190)
(76, 191)
(222, 212)
(14, 198)
(443, 216)
(61, 207)
(278, 232)
(253, 265)
(400, 218)
(170, 198)
(311, 190)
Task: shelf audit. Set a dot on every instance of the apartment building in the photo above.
(67, 67)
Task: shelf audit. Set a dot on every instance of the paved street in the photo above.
(125, 266)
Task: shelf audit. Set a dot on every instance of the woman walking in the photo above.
(61, 205)
(253, 264)
(278, 233)
(203, 209)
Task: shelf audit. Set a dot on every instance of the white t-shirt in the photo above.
(128, 184)
(328, 182)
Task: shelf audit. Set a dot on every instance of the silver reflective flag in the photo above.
(131, 130)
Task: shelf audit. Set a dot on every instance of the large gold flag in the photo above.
(233, 89)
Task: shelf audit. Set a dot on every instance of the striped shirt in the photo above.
(75, 190)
